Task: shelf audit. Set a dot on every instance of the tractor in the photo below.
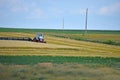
(38, 38)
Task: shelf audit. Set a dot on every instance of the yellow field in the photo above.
(113, 37)
(100, 37)
(55, 47)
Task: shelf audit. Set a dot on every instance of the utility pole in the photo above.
(63, 24)
(86, 21)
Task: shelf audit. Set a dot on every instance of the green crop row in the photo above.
(58, 59)
(60, 31)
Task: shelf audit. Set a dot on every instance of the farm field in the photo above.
(55, 46)
(53, 71)
(59, 68)
(62, 57)
(99, 36)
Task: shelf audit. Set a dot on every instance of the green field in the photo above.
(110, 61)
(68, 54)
(59, 31)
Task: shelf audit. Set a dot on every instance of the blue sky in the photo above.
(48, 14)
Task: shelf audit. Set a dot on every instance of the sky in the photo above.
(49, 14)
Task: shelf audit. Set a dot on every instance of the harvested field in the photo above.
(56, 47)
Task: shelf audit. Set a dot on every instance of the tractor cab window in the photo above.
(39, 34)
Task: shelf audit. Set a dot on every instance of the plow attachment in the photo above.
(16, 38)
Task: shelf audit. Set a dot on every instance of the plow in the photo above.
(38, 38)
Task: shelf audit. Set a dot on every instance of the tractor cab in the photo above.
(39, 38)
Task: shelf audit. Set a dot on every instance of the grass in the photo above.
(54, 71)
(59, 68)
